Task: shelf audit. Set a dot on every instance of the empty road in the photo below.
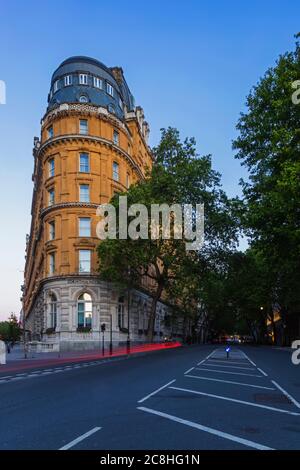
(186, 398)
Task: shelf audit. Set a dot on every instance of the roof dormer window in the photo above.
(97, 82)
(68, 80)
(109, 89)
(83, 79)
(55, 86)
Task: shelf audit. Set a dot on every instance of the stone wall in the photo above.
(105, 309)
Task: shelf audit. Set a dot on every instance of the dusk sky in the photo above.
(189, 65)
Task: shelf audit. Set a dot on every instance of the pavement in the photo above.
(183, 398)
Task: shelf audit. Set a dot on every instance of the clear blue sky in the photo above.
(189, 64)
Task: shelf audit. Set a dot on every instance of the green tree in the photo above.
(268, 146)
(10, 330)
(179, 176)
(249, 289)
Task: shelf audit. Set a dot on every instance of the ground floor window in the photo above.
(121, 312)
(84, 311)
(53, 311)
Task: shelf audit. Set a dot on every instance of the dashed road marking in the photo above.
(55, 370)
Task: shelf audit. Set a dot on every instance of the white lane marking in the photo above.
(79, 439)
(247, 357)
(189, 370)
(156, 391)
(263, 373)
(206, 358)
(210, 354)
(223, 354)
(227, 372)
(229, 367)
(242, 402)
(229, 382)
(201, 362)
(215, 432)
(228, 361)
(296, 403)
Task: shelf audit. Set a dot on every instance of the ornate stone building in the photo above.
(93, 143)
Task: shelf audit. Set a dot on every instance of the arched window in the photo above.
(83, 99)
(52, 310)
(121, 312)
(84, 310)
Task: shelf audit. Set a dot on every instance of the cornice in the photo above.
(67, 109)
(67, 205)
(90, 139)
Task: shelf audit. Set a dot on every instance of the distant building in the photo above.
(93, 143)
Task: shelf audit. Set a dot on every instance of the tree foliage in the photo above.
(10, 330)
(179, 176)
(268, 145)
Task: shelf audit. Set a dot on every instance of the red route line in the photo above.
(23, 364)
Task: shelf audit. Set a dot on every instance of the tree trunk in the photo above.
(152, 316)
(273, 324)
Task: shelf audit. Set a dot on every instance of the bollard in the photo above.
(2, 352)
(227, 352)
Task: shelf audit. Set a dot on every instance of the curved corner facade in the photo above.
(93, 144)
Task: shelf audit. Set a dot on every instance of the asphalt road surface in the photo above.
(186, 398)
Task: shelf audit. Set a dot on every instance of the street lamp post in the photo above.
(128, 312)
(128, 322)
(110, 343)
(103, 329)
(24, 335)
